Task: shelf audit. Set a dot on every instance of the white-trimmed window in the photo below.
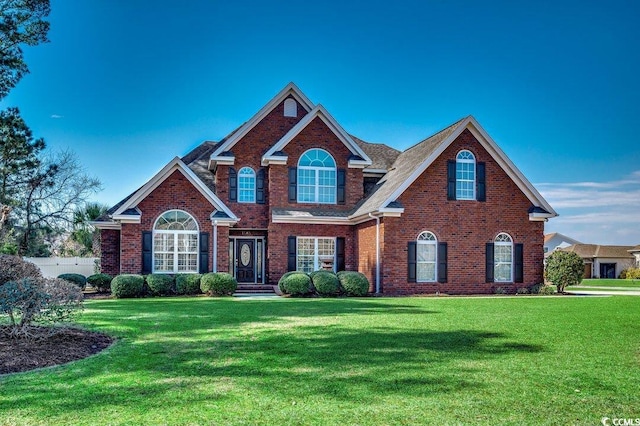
(313, 252)
(426, 257)
(290, 108)
(503, 258)
(175, 243)
(317, 177)
(246, 185)
(465, 176)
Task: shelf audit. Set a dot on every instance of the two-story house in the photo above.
(290, 189)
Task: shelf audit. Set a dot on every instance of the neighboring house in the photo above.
(557, 241)
(635, 252)
(290, 189)
(603, 261)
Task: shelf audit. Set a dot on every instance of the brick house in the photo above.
(290, 189)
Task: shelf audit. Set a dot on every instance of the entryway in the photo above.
(247, 254)
(607, 270)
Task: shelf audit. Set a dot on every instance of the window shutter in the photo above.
(293, 184)
(342, 184)
(451, 180)
(442, 262)
(518, 273)
(340, 258)
(411, 260)
(203, 255)
(291, 254)
(147, 256)
(233, 185)
(260, 187)
(489, 262)
(481, 189)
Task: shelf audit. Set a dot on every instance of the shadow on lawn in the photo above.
(174, 345)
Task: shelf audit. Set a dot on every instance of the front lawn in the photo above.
(609, 282)
(504, 360)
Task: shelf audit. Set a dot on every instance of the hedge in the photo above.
(218, 284)
(160, 284)
(188, 283)
(77, 279)
(127, 285)
(353, 283)
(101, 282)
(326, 283)
(295, 283)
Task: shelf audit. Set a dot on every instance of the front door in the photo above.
(245, 262)
(607, 270)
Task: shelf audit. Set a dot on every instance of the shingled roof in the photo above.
(382, 156)
(403, 167)
(587, 251)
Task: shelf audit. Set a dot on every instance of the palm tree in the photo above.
(83, 232)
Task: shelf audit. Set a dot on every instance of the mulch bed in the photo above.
(66, 345)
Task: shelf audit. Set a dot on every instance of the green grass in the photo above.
(506, 360)
(608, 282)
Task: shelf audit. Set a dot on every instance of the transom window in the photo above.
(175, 243)
(465, 176)
(317, 177)
(314, 252)
(503, 258)
(426, 253)
(246, 185)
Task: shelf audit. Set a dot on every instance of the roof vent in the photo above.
(290, 108)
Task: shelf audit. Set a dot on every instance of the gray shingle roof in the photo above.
(381, 155)
(404, 165)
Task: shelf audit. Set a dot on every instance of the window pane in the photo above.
(426, 271)
(246, 185)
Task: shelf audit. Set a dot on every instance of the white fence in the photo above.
(54, 266)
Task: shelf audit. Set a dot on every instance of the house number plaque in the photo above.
(245, 255)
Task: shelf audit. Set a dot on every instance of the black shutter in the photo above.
(233, 185)
(203, 255)
(411, 260)
(291, 254)
(340, 259)
(147, 257)
(451, 180)
(518, 255)
(489, 262)
(442, 262)
(481, 190)
(293, 184)
(342, 184)
(260, 187)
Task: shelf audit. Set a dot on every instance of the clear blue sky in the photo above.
(130, 84)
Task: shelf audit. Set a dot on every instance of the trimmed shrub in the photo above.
(542, 289)
(564, 269)
(127, 285)
(159, 284)
(353, 283)
(500, 290)
(630, 274)
(282, 280)
(522, 290)
(325, 282)
(13, 268)
(77, 279)
(295, 283)
(188, 283)
(101, 282)
(218, 284)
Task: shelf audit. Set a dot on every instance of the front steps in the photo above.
(254, 290)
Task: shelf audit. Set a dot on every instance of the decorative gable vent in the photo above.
(290, 108)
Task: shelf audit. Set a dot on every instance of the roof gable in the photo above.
(411, 163)
(360, 159)
(174, 165)
(289, 90)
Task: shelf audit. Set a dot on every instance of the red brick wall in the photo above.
(277, 244)
(176, 192)
(110, 251)
(366, 250)
(465, 225)
(248, 152)
(315, 135)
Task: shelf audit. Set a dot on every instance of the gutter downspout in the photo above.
(215, 246)
(377, 218)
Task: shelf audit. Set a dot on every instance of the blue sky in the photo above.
(128, 85)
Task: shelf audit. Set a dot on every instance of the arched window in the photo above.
(246, 185)
(426, 257)
(290, 108)
(503, 258)
(317, 177)
(175, 243)
(465, 176)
